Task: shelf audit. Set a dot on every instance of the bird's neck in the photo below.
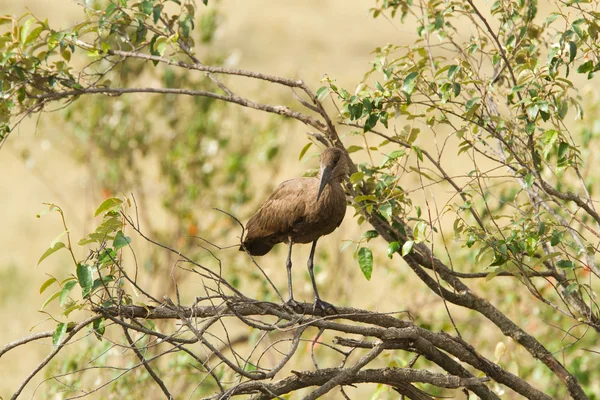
(333, 180)
(333, 185)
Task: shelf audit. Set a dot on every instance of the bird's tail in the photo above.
(258, 246)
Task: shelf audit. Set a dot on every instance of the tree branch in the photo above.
(54, 352)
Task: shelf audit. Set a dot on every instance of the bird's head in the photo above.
(333, 167)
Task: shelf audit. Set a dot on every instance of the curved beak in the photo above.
(325, 178)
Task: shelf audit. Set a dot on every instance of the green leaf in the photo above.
(396, 154)
(563, 109)
(354, 149)
(25, 29)
(98, 327)
(383, 118)
(549, 138)
(100, 283)
(108, 204)
(371, 122)
(517, 88)
(386, 210)
(586, 67)
(419, 231)
(73, 307)
(365, 261)
(562, 150)
(572, 51)
(530, 128)
(547, 257)
(496, 271)
(84, 276)
(452, 71)
(419, 152)
(46, 284)
(532, 111)
(356, 177)
(95, 237)
(471, 103)
(65, 291)
(407, 247)
(304, 150)
(57, 239)
(498, 260)
(121, 240)
(34, 35)
(51, 250)
(112, 7)
(370, 235)
(355, 111)
(565, 264)
(347, 244)
(66, 54)
(413, 134)
(186, 26)
(322, 92)
(153, 48)
(456, 88)
(156, 13)
(393, 248)
(104, 231)
(49, 299)
(59, 334)
(577, 29)
(572, 288)
(471, 240)
(551, 18)
(146, 7)
(160, 45)
(556, 238)
(408, 86)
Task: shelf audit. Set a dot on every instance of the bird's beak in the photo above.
(325, 177)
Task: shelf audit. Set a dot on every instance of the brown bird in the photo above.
(301, 210)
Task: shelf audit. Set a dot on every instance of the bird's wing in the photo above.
(285, 207)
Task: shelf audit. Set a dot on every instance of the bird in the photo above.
(301, 210)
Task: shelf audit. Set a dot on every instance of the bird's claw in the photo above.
(291, 303)
(323, 306)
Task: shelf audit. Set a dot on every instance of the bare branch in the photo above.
(153, 374)
(54, 352)
(280, 110)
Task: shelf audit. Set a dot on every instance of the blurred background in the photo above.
(150, 147)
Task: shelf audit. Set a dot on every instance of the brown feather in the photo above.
(293, 212)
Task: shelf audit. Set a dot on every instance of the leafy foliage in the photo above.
(502, 100)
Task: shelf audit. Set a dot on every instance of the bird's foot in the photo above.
(323, 306)
(292, 304)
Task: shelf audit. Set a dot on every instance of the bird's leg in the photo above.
(323, 305)
(288, 264)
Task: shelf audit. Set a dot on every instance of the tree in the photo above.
(518, 202)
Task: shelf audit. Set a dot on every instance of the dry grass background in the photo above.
(299, 39)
